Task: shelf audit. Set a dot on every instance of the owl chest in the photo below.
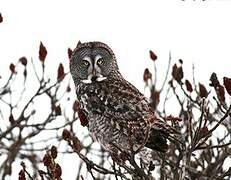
(96, 102)
(98, 124)
(92, 100)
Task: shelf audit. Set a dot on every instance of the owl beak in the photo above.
(94, 72)
(94, 75)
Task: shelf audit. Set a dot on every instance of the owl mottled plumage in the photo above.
(118, 114)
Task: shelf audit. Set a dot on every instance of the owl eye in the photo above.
(86, 63)
(100, 61)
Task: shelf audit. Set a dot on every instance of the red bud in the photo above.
(42, 52)
(152, 55)
(202, 91)
(69, 52)
(188, 86)
(12, 68)
(227, 84)
(60, 73)
(1, 18)
(23, 60)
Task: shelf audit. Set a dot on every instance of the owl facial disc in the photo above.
(94, 71)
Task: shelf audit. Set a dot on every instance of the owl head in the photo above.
(92, 62)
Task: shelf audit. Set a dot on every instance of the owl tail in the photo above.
(157, 141)
(159, 134)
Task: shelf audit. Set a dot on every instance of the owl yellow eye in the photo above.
(86, 63)
(100, 61)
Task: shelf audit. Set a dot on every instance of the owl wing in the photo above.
(131, 113)
(128, 109)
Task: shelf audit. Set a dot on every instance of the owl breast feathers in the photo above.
(119, 116)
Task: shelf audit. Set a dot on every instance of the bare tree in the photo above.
(203, 123)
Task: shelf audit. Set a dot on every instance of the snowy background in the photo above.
(199, 32)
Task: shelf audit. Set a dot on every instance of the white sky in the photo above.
(195, 31)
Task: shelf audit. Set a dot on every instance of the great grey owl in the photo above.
(119, 116)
